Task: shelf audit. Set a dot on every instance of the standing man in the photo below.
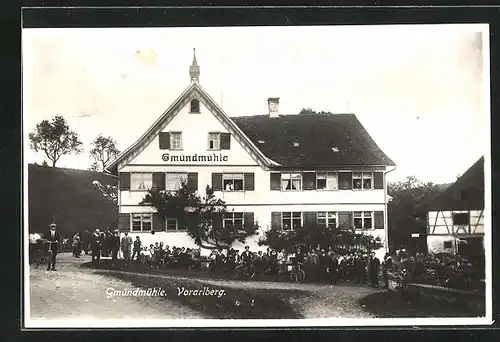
(96, 247)
(126, 246)
(54, 240)
(115, 247)
(374, 267)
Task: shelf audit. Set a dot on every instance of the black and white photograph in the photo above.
(256, 176)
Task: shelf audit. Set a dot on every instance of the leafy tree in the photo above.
(202, 216)
(55, 139)
(341, 241)
(407, 211)
(103, 150)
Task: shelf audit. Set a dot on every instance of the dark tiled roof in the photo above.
(467, 193)
(308, 139)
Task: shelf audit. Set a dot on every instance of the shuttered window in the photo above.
(225, 141)
(379, 219)
(159, 180)
(276, 220)
(378, 180)
(249, 182)
(164, 139)
(309, 179)
(175, 180)
(124, 222)
(192, 180)
(275, 180)
(217, 181)
(345, 220)
(345, 180)
(124, 180)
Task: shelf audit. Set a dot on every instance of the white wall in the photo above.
(435, 244)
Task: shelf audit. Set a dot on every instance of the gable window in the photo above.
(175, 140)
(141, 222)
(328, 219)
(194, 106)
(363, 220)
(232, 182)
(233, 220)
(214, 141)
(460, 219)
(175, 180)
(141, 181)
(291, 181)
(362, 180)
(327, 181)
(291, 220)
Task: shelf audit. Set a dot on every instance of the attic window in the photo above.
(195, 106)
(335, 149)
(296, 144)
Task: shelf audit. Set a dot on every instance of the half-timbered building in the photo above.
(456, 217)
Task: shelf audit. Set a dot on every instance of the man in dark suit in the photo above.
(96, 244)
(54, 239)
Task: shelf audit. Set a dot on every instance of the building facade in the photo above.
(284, 170)
(456, 218)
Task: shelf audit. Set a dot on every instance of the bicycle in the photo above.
(297, 273)
(45, 255)
(242, 269)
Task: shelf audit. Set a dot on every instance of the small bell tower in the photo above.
(194, 69)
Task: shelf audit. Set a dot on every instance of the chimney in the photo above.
(273, 104)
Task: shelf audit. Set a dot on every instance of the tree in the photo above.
(202, 216)
(311, 236)
(109, 192)
(103, 150)
(407, 211)
(55, 139)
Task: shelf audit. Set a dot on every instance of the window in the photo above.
(328, 219)
(460, 219)
(175, 179)
(291, 220)
(232, 182)
(327, 181)
(175, 141)
(362, 180)
(447, 244)
(195, 106)
(214, 141)
(363, 220)
(291, 181)
(141, 181)
(141, 222)
(233, 220)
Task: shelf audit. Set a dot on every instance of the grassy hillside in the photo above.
(67, 197)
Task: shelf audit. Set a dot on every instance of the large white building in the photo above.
(278, 169)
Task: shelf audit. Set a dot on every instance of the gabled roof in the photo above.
(313, 140)
(194, 90)
(467, 193)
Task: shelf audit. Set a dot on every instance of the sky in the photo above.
(421, 91)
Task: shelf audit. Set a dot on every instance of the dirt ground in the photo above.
(78, 292)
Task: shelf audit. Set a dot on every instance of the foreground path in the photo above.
(80, 292)
(73, 292)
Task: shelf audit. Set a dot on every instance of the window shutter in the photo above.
(310, 218)
(249, 181)
(124, 180)
(158, 225)
(192, 181)
(164, 139)
(275, 181)
(159, 180)
(217, 181)
(248, 220)
(276, 219)
(379, 219)
(378, 180)
(225, 141)
(345, 220)
(309, 180)
(124, 222)
(345, 180)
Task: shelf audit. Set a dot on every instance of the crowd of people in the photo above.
(319, 264)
